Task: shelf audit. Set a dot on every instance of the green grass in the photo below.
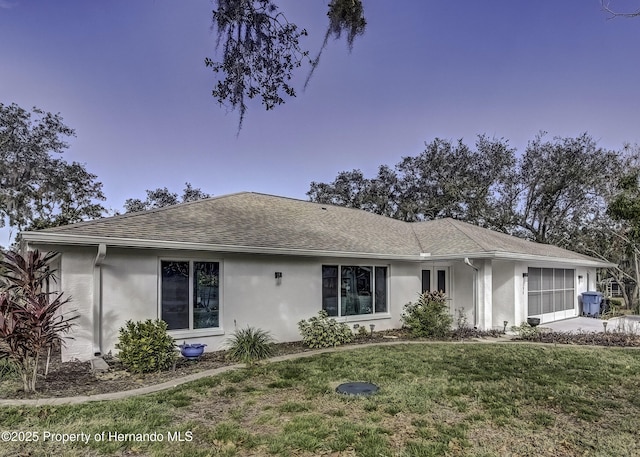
(434, 399)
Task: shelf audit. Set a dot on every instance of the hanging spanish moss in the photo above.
(345, 16)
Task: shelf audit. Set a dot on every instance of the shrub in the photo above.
(323, 332)
(615, 302)
(525, 331)
(146, 346)
(429, 316)
(8, 369)
(31, 320)
(250, 345)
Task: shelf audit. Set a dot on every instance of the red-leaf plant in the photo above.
(31, 320)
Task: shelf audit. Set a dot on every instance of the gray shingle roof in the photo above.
(257, 221)
(452, 237)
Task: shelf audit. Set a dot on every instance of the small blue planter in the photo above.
(192, 351)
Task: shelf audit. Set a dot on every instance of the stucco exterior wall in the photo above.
(505, 290)
(462, 277)
(127, 285)
(76, 282)
(250, 294)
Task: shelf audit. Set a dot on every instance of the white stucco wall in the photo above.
(462, 277)
(250, 295)
(76, 282)
(505, 290)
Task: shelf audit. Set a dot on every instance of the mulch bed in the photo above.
(71, 379)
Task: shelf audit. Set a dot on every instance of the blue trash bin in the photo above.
(591, 303)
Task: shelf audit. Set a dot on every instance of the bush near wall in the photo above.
(322, 332)
(145, 346)
(428, 317)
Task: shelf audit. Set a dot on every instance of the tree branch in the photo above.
(613, 14)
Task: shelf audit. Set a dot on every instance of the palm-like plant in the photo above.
(30, 316)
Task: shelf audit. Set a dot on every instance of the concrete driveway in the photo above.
(590, 324)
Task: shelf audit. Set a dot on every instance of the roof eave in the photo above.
(502, 255)
(84, 240)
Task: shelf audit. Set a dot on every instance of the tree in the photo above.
(261, 49)
(38, 188)
(624, 208)
(562, 186)
(161, 197)
(446, 180)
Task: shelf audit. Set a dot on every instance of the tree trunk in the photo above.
(636, 290)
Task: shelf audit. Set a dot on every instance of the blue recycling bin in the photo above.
(591, 303)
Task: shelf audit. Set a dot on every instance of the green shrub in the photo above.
(617, 302)
(8, 369)
(146, 346)
(429, 316)
(250, 345)
(525, 331)
(322, 332)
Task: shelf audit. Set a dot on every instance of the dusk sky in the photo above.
(129, 77)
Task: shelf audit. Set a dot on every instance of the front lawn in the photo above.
(468, 399)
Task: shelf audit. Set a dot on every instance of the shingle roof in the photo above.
(452, 237)
(258, 220)
(254, 220)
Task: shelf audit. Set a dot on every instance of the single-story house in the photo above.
(249, 259)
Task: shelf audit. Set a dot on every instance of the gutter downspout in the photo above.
(475, 291)
(97, 299)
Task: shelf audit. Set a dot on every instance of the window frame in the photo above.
(358, 317)
(541, 287)
(434, 276)
(194, 332)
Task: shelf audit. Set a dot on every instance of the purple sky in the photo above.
(129, 77)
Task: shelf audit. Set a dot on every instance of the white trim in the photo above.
(66, 239)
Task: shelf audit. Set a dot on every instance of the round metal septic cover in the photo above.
(357, 388)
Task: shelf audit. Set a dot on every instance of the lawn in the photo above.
(468, 399)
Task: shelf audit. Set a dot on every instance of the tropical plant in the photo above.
(321, 331)
(429, 316)
(31, 317)
(250, 345)
(145, 346)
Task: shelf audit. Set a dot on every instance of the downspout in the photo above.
(97, 299)
(475, 291)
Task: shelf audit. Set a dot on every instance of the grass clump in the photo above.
(321, 331)
(250, 345)
(145, 346)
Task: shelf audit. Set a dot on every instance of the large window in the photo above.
(190, 294)
(551, 290)
(354, 290)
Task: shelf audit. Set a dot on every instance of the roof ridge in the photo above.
(457, 224)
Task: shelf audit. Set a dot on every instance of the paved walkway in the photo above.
(590, 324)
